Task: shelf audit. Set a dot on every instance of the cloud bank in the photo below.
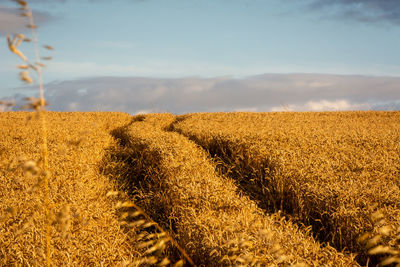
(267, 92)
(371, 11)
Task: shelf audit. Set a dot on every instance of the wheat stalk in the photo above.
(159, 228)
(38, 105)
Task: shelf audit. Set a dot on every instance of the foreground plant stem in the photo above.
(42, 116)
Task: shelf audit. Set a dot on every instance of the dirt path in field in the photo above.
(216, 221)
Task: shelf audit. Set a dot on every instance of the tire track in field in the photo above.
(175, 181)
(234, 161)
(251, 187)
(237, 169)
(122, 165)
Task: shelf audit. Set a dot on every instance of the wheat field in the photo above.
(207, 189)
(88, 222)
(203, 189)
(333, 171)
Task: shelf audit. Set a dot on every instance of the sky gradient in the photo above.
(105, 48)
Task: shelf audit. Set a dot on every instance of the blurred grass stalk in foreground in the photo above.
(34, 103)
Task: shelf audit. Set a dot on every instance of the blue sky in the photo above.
(204, 39)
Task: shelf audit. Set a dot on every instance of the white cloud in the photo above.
(325, 105)
(62, 70)
(143, 111)
(267, 92)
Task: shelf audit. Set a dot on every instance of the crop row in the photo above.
(215, 224)
(332, 171)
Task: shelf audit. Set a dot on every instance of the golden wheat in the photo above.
(334, 174)
(84, 228)
(48, 202)
(327, 170)
(178, 185)
(212, 217)
(38, 105)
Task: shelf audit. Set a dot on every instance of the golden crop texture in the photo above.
(85, 230)
(330, 170)
(229, 189)
(214, 223)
